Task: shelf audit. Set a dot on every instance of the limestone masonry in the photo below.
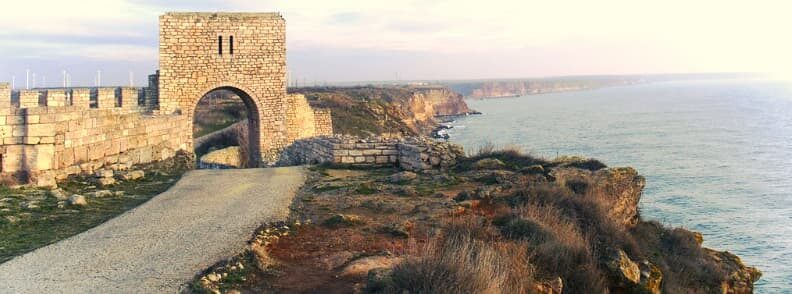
(48, 134)
(411, 153)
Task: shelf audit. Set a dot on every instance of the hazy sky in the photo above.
(344, 40)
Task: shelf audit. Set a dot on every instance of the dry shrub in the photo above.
(512, 156)
(589, 213)
(680, 257)
(459, 262)
(556, 246)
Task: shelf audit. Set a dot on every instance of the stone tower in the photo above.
(241, 52)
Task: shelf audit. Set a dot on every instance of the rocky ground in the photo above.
(31, 217)
(498, 222)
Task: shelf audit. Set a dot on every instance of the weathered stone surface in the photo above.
(58, 194)
(488, 163)
(77, 200)
(402, 177)
(103, 194)
(132, 175)
(417, 154)
(361, 267)
(103, 182)
(619, 188)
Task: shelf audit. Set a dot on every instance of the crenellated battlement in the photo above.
(125, 98)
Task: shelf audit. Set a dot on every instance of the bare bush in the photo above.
(457, 262)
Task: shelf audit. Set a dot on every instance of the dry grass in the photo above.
(459, 261)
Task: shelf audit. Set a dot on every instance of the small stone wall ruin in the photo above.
(412, 153)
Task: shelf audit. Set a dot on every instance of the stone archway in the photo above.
(241, 52)
(250, 142)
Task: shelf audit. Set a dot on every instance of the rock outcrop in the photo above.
(391, 111)
(619, 189)
(229, 157)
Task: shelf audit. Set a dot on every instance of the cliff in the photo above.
(499, 221)
(514, 88)
(386, 111)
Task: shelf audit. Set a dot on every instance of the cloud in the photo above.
(352, 39)
(345, 18)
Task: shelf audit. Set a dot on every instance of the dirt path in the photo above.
(160, 245)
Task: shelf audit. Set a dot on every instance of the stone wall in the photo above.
(411, 153)
(67, 136)
(302, 121)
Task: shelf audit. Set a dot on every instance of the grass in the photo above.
(459, 262)
(35, 228)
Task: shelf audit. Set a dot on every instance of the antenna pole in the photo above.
(27, 79)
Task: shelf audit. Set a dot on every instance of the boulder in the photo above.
(628, 276)
(58, 194)
(77, 200)
(103, 194)
(104, 173)
(554, 286)
(132, 175)
(623, 270)
(103, 182)
(224, 158)
(336, 260)
(30, 205)
(361, 267)
(342, 220)
(378, 280)
(740, 278)
(402, 177)
(489, 163)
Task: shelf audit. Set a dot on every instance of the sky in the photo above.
(347, 40)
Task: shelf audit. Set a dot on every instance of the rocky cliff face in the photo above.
(386, 111)
(513, 88)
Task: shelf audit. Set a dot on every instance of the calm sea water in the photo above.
(717, 154)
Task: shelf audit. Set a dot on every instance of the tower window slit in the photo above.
(220, 45)
(231, 45)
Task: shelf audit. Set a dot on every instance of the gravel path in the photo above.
(160, 245)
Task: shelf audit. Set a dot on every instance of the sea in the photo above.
(716, 154)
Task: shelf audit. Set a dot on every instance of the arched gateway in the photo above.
(241, 52)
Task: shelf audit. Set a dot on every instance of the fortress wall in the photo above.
(5, 96)
(106, 97)
(29, 98)
(50, 143)
(129, 98)
(81, 98)
(58, 97)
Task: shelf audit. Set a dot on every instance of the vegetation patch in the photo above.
(32, 218)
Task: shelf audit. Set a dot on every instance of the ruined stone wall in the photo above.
(5, 91)
(412, 153)
(323, 122)
(192, 64)
(302, 121)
